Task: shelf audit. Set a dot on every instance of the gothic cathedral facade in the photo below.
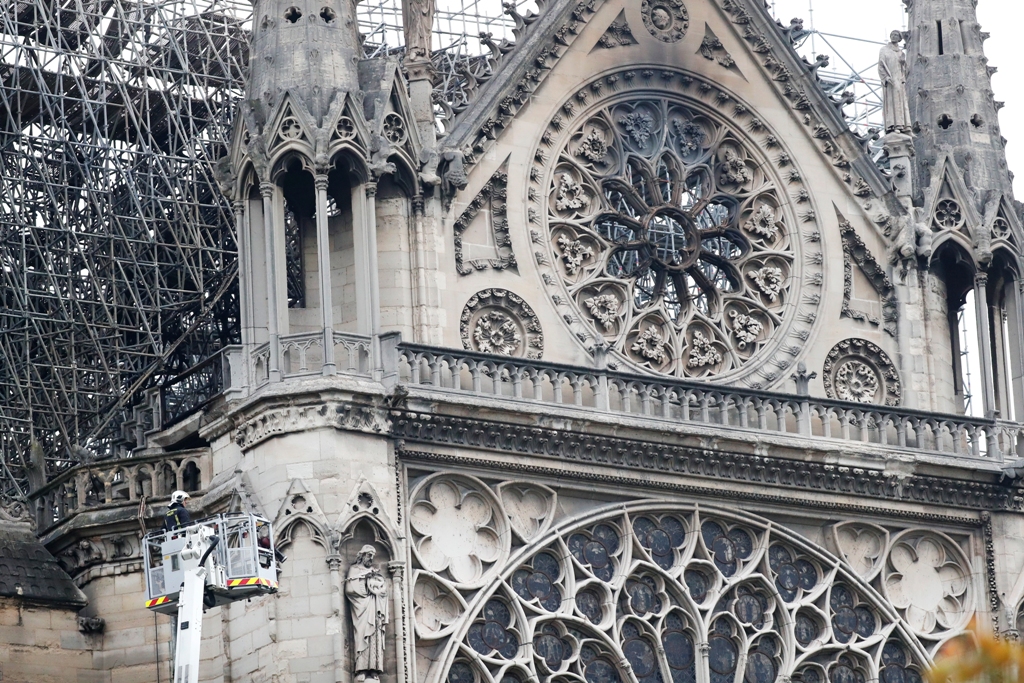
(628, 360)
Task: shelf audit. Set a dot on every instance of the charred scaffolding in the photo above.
(117, 247)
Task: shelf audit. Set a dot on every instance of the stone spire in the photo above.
(309, 48)
(951, 100)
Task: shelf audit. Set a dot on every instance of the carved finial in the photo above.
(803, 379)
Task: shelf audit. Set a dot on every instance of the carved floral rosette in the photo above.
(859, 371)
(671, 215)
(639, 592)
(500, 322)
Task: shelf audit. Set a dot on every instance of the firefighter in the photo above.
(177, 514)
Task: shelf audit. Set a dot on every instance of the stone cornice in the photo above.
(709, 462)
(619, 481)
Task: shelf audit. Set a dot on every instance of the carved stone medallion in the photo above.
(667, 20)
(672, 236)
(499, 321)
(859, 371)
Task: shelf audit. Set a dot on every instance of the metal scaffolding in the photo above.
(117, 249)
(116, 246)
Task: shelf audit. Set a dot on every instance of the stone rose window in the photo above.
(671, 236)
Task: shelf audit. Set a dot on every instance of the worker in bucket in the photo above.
(177, 515)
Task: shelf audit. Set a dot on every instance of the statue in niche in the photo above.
(418, 20)
(366, 590)
(892, 69)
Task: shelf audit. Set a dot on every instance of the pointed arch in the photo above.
(737, 585)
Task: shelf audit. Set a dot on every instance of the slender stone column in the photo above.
(245, 310)
(364, 211)
(397, 571)
(323, 253)
(1015, 322)
(337, 591)
(985, 342)
(273, 316)
(420, 291)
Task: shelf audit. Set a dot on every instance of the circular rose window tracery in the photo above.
(671, 235)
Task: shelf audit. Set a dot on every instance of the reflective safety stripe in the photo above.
(157, 601)
(255, 581)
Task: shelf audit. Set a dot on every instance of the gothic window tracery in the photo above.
(672, 236)
(676, 595)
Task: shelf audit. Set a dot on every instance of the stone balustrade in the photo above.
(114, 483)
(302, 355)
(703, 404)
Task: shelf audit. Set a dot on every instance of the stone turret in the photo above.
(309, 48)
(952, 104)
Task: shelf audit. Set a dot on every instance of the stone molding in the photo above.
(705, 462)
(291, 419)
(695, 489)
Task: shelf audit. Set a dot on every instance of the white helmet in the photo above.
(179, 497)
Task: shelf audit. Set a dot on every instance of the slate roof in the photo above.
(29, 572)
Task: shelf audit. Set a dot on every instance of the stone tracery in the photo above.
(638, 595)
(671, 236)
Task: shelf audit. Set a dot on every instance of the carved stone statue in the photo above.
(418, 20)
(366, 590)
(892, 69)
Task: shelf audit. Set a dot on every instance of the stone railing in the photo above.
(758, 412)
(302, 355)
(114, 483)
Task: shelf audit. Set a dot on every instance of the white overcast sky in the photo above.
(873, 19)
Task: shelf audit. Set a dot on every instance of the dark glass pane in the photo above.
(810, 676)
(805, 629)
(642, 526)
(845, 619)
(865, 622)
(461, 673)
(476, 639)
(778, 556)
(892, 653)
(679, 649)
(640, 656)
(760, 669)
(808, 574)
(893, 674)
(660, 543)
(494, 635)
(550, 649)
(548, 565)
(641, 598)
(519, 580)
(539, 585)
(600, 671)
(590, 605)
(748, 609)
(587, 654)
(842, 674)
(607, 535)
(576, 543)
(841, 597)
(674, 528)
(553, 601)
(698, 584)
(595, 554)
(722, 655)
(912, 676)
(496, 611)
(743, 542)
(710, 531)
(788, 578)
